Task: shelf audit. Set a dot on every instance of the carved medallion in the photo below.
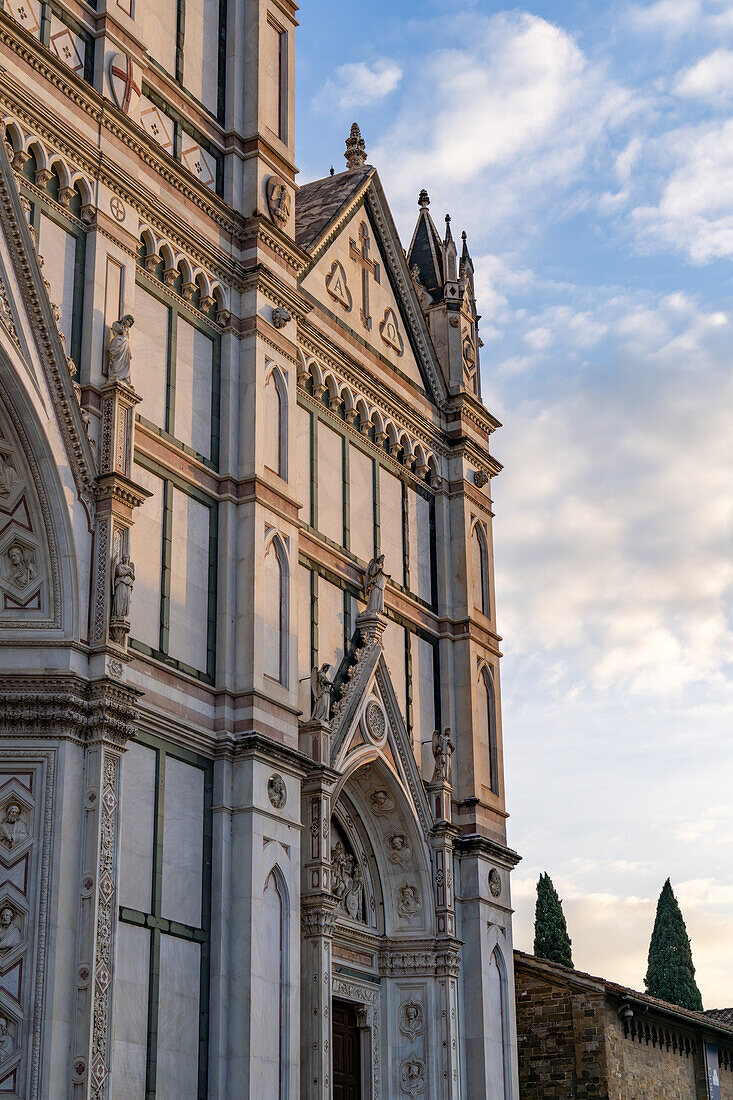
(279, 201)
(495, 883)
(409, 905)
(337, 287)
(412, 1023)
(122, 81)
(412, 1076)
(399, 851)
(375, 722)
(277, 792)
(390, 332)
(381, 802)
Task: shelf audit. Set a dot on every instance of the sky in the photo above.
(587, 149)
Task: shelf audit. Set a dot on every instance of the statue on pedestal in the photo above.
(375, 582)
(443, 749)
(123, 580)
(119, 352)
(322, 688)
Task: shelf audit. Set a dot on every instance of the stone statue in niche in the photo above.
(22, 570)
(321, 687)
(277, 792)
(381, 802)
(495, 883)
(7, 1044)
(443, 749)
(347, 881)
(123, 580)
(412, 1023)
(409, 905)
(399, 851)
(10, 933)
(375, 582)
(13, 830)
(119, 352)
(412, 1077)
(8, 476)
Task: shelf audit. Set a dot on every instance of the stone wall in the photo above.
(581, 1037)
(641, 1070)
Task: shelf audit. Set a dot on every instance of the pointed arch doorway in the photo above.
(346, 1048)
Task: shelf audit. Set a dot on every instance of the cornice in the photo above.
(477, 845)
(68, 708)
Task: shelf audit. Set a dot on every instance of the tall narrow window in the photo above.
(276, 435)
(498, 1029)
(480, 570)
(270, 1052)
(487, 721)
(276, 612)
(276, 80)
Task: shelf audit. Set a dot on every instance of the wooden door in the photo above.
(345, 1047)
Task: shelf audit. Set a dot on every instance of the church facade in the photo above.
(252, 810)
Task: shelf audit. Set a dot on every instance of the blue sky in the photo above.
(587, 149)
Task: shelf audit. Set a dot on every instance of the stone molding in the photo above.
(485, 848)
(68, 708)
(434, 959)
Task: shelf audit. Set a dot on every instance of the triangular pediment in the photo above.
(368, 721)
(358, 273)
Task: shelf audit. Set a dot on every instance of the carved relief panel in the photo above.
(27, 564)
(25, 803)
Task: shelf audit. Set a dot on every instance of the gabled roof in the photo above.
(713, 1019)
(318, 204)
(724, 1015)
(323, 208)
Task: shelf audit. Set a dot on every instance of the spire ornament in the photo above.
(423, 200)
(355, 154)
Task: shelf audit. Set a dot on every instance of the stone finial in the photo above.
(448, 234)
(423, 200)
(355, 154)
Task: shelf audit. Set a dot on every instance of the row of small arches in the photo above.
(354, 408)
(178, 272)
(46, 168)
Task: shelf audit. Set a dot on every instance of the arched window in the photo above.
(498, 1030)
(276, 612)
(487, 724)
(276, 424)
(271, 1062)
(480, 569)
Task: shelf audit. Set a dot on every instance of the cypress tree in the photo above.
(551, 939)
(671, 975)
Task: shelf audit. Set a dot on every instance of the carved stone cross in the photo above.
(360, 253)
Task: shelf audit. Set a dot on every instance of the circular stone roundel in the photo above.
(375, 722)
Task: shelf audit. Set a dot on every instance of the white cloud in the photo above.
(711, 78)
(358, 85)
(694, 213)
(670, 16)
(503, 120)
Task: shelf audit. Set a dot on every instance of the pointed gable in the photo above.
(358, 273)
(426, 250)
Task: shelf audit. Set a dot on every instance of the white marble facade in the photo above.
(201, 872)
